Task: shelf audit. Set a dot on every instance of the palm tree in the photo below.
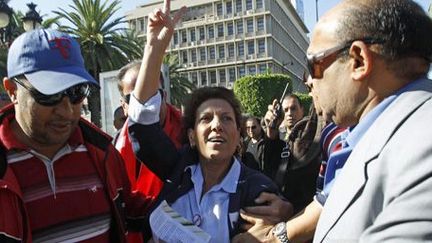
(104, 44)
(15, 28)
(180, 86)
(48, 23)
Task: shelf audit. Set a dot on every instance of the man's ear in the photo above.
(191, 137)
(362, 58)
(10, 87)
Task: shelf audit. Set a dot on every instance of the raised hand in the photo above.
(160, 29)
(161, 25)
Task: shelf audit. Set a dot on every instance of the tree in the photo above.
(104, 43)
(256, 92)
(180, 86)
(306, 101)
(15, 29)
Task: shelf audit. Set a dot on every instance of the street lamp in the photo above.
(5, 17)
(32, 20)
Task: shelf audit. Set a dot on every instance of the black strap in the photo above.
(283, 166)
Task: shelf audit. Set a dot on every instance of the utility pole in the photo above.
(316, 10)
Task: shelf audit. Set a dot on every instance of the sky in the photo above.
(45, 7)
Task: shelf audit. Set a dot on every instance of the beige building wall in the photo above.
(219, 41)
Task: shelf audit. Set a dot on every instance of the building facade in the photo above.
(219, 41)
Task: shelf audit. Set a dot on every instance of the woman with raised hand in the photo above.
(204, 182)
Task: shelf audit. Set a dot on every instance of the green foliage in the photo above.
(258, 91)
(48, 23)
(180, 87)
(306, 101)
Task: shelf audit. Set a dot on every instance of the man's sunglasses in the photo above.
(317, 63)
(76, 94)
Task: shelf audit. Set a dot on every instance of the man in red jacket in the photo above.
(142, 179)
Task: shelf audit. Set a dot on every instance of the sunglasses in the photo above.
(251, 127)
(76, 94)
(319, 62)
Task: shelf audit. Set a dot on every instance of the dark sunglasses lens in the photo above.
(310, 67)
(305, 76)
(78, 93)
(47, 100)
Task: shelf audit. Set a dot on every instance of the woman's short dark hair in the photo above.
(201, 95)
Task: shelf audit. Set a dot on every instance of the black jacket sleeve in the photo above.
(154, 148)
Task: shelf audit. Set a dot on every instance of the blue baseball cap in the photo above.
(49, 59)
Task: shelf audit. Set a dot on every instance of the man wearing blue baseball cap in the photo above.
(60, 177)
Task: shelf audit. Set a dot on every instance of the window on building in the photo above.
(239, 25)
(249, 4)
(193, 55)
(219, 9)
(175, 38)
(251, 70)
(228, 6)
(183, 36)
(230, 28)
(260, 23)
(203, 77)
(201, 33)
(210, 30)
(220, 29)
(141, 24)
(194, 78)
(212, 53)
(239, 6)
(249, 24)
(261, 46)
(192, 35)
(251, 47)
(222, 76)
(241, 71)
(133, 25)
(212, 77)
(202, 54)
(262, 68)
(184, 56)
(231, 73)
(231, 50)
(221, 51)
(259, 4)
(240, 49)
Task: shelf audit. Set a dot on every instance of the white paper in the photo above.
(169, 226)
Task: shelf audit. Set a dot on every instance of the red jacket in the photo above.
(142, 179)
(145, 181)
(126, 206)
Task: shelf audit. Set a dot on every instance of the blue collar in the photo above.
(228, 184)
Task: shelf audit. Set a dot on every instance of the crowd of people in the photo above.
(355, 168)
